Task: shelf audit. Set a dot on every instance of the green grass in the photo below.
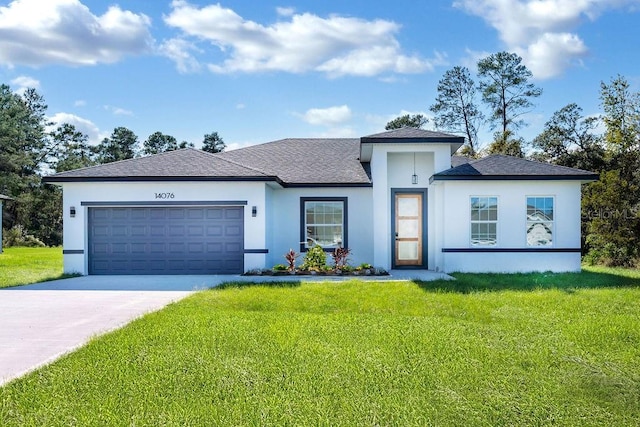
(22, 266)
(541, 350)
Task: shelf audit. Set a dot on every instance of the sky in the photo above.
(258, 71)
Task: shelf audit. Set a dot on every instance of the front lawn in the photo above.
(357, 353)
(22, 266)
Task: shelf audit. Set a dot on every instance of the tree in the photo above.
(70, 149)
(408, 120)
(213, 143)
(568, 139)
(158, 142)
(122, 145)
(505, 143)
(505, 87)
(185, 144)
(455, 107)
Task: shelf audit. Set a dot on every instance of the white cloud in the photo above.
(285, 11)
(331, 116)
(180, 51)
(25, 82)
(80, 103)
(302, 43)
(35, 33)
(541, 31)
(117, 111)
(83, 125)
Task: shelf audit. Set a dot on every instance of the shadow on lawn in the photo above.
(266, 283)
(568, 282)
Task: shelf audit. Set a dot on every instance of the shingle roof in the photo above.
(307, 161)
(499, 166)
(185, 164)
(460, 160)
(410, 133)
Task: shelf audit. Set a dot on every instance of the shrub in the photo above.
(291, 259)
(340, 257)
(16, 236)
(280, 267)
(315, 259)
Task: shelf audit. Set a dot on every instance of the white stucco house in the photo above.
(398, 199)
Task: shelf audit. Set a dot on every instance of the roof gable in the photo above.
(499, 167)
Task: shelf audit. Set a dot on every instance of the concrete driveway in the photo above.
(41, 322)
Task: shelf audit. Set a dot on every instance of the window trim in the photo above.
(526, 221)
(303, 220)
(496, 222)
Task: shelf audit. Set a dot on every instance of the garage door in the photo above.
(166, 240)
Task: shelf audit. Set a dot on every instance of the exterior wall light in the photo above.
(254, 211)
(414, 177)
(72, 211)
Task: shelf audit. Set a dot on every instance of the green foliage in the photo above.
(358, 353)
(70, 149)
(17, 237)
(408, 120)
(314, 259)
(158, 142)
(455, 107)
(280, 267)
(121, 145)
(505, 87)
(213, 143)
(504, 143)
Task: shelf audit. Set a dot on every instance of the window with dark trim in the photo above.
(323, 221)
(484, 221)
(539, 221)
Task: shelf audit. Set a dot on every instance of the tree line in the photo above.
(30, 148)
(608, 144)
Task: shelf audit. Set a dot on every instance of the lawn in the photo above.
(21, 266)
(536, 350)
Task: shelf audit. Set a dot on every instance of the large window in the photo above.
(484, 221)
(323, 222)
(539, 221)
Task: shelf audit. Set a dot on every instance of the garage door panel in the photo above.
(161, 240)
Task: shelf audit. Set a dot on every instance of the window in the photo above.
(539, 221)
(323, 222)
(484, 221)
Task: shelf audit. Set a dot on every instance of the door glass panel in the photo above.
(407, 250)
(408, 228)
(408, 206)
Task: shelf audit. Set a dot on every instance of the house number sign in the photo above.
(165, 196)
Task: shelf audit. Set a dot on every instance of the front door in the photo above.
(408, 228)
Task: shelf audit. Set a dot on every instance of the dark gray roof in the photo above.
(498, 167)
(307, 161)
(410, 133)
(185, 164)
(3, 197)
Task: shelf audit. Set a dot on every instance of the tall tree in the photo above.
(186, 144)
(122, 145)
(213, 143)
(455, 107)
(506, 143)
(569, 139)
(70, 149)
(158, 142)
(505, 87)
(407, 120)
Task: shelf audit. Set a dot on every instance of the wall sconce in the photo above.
(72, 211)
(414, 177)
(254, 211)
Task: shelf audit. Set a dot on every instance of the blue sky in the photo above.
(264, 70)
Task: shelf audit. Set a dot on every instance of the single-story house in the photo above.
(397, 199)
(2, 198)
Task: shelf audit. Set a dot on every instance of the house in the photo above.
(397, 199)
(2, 198)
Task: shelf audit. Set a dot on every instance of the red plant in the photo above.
(340, 256)
(291, 259)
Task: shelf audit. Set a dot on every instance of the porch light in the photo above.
(414, 177)
(72, 211)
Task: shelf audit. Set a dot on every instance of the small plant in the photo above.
(364, 266)
(291, 257)
(340, 257)
(280, 267)
(315, 259)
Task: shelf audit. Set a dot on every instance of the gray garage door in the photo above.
(166, 240)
